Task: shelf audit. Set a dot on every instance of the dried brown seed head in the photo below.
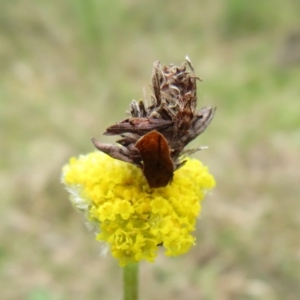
(162, 130)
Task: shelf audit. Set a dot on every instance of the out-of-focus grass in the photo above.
(69, 69)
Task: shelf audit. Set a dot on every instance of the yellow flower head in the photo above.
(133, 219)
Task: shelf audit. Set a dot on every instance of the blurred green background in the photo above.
(69, 69)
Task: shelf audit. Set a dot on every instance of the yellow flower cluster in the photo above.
(132, 218)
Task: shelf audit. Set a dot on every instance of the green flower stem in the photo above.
(130, 281)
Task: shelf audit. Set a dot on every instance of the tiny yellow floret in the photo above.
(133, 219)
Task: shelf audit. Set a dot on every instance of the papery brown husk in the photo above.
(173, 118)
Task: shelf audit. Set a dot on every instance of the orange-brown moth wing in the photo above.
(158, 166)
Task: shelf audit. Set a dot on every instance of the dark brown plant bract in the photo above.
(154, 137)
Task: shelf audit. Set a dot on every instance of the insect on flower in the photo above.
(154, 137)
(158, 166)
